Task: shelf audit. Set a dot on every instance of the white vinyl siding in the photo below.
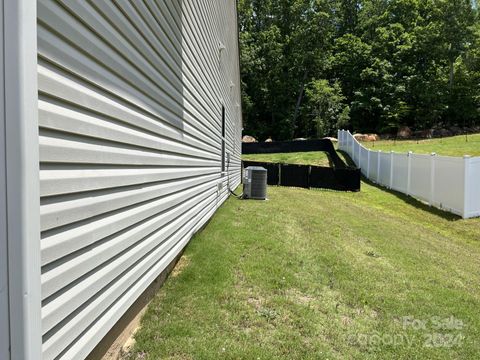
(130, 94)
(20, 323)
(4, 316)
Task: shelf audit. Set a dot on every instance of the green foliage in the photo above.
(327, 106)
(395, 62)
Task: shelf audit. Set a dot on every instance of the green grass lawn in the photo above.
(451, 146)
(318, 158)
(312, 274)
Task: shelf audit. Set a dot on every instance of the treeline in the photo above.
(312, 66)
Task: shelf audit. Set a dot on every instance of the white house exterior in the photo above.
(120, 130)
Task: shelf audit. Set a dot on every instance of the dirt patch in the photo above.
(181, 265)
(255, 302)
(128, 346)
(346, 320)
(299, 297)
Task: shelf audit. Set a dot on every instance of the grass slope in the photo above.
(314, 274)
(318, 158)
(451, 146)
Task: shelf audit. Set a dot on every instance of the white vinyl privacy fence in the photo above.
(448, 183)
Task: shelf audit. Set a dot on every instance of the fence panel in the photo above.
(449, 184)
(364, 160)
(295, 175)
(356, 146)
(400, 172)
(420, 176)
(384, 175)
(373, 172)
(323, 177)
(472, 205)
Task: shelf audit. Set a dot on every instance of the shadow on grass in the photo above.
(405, 198)
(346, 158)
(416, 203)
(330, 161)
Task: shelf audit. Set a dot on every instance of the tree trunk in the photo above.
(452, 73)
(299, 100)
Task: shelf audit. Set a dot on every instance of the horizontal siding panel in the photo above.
(67, 148)
(59, 179)
(92, 71)
(60, 305)
(101, 65)
(80, 348)
(52, 55)
(68, 209)
(69, 239)
(58, 84)
(60, 118)
(59, 275)
(130, 104)
(91, 307)
(138, 50)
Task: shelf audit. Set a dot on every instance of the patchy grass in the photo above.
(318, 158)
(451, 146)
(312, 274)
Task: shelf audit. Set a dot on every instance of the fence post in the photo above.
(347, 145)
(353, 147)
(368, 164)
(279, 174)
(432, 179)
(359, 155)
(378, 166)
(466, 186)
(409, 172)
(391, 169)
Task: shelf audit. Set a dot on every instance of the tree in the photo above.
(392, 62)
(327, 107)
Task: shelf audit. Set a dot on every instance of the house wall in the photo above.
(130, 106)
(4, 317)
(20, 327)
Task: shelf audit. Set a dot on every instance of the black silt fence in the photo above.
(348, 179)
(273, 172)
(339, 177)
(306, 176)
(323, 177)
(295, 175)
